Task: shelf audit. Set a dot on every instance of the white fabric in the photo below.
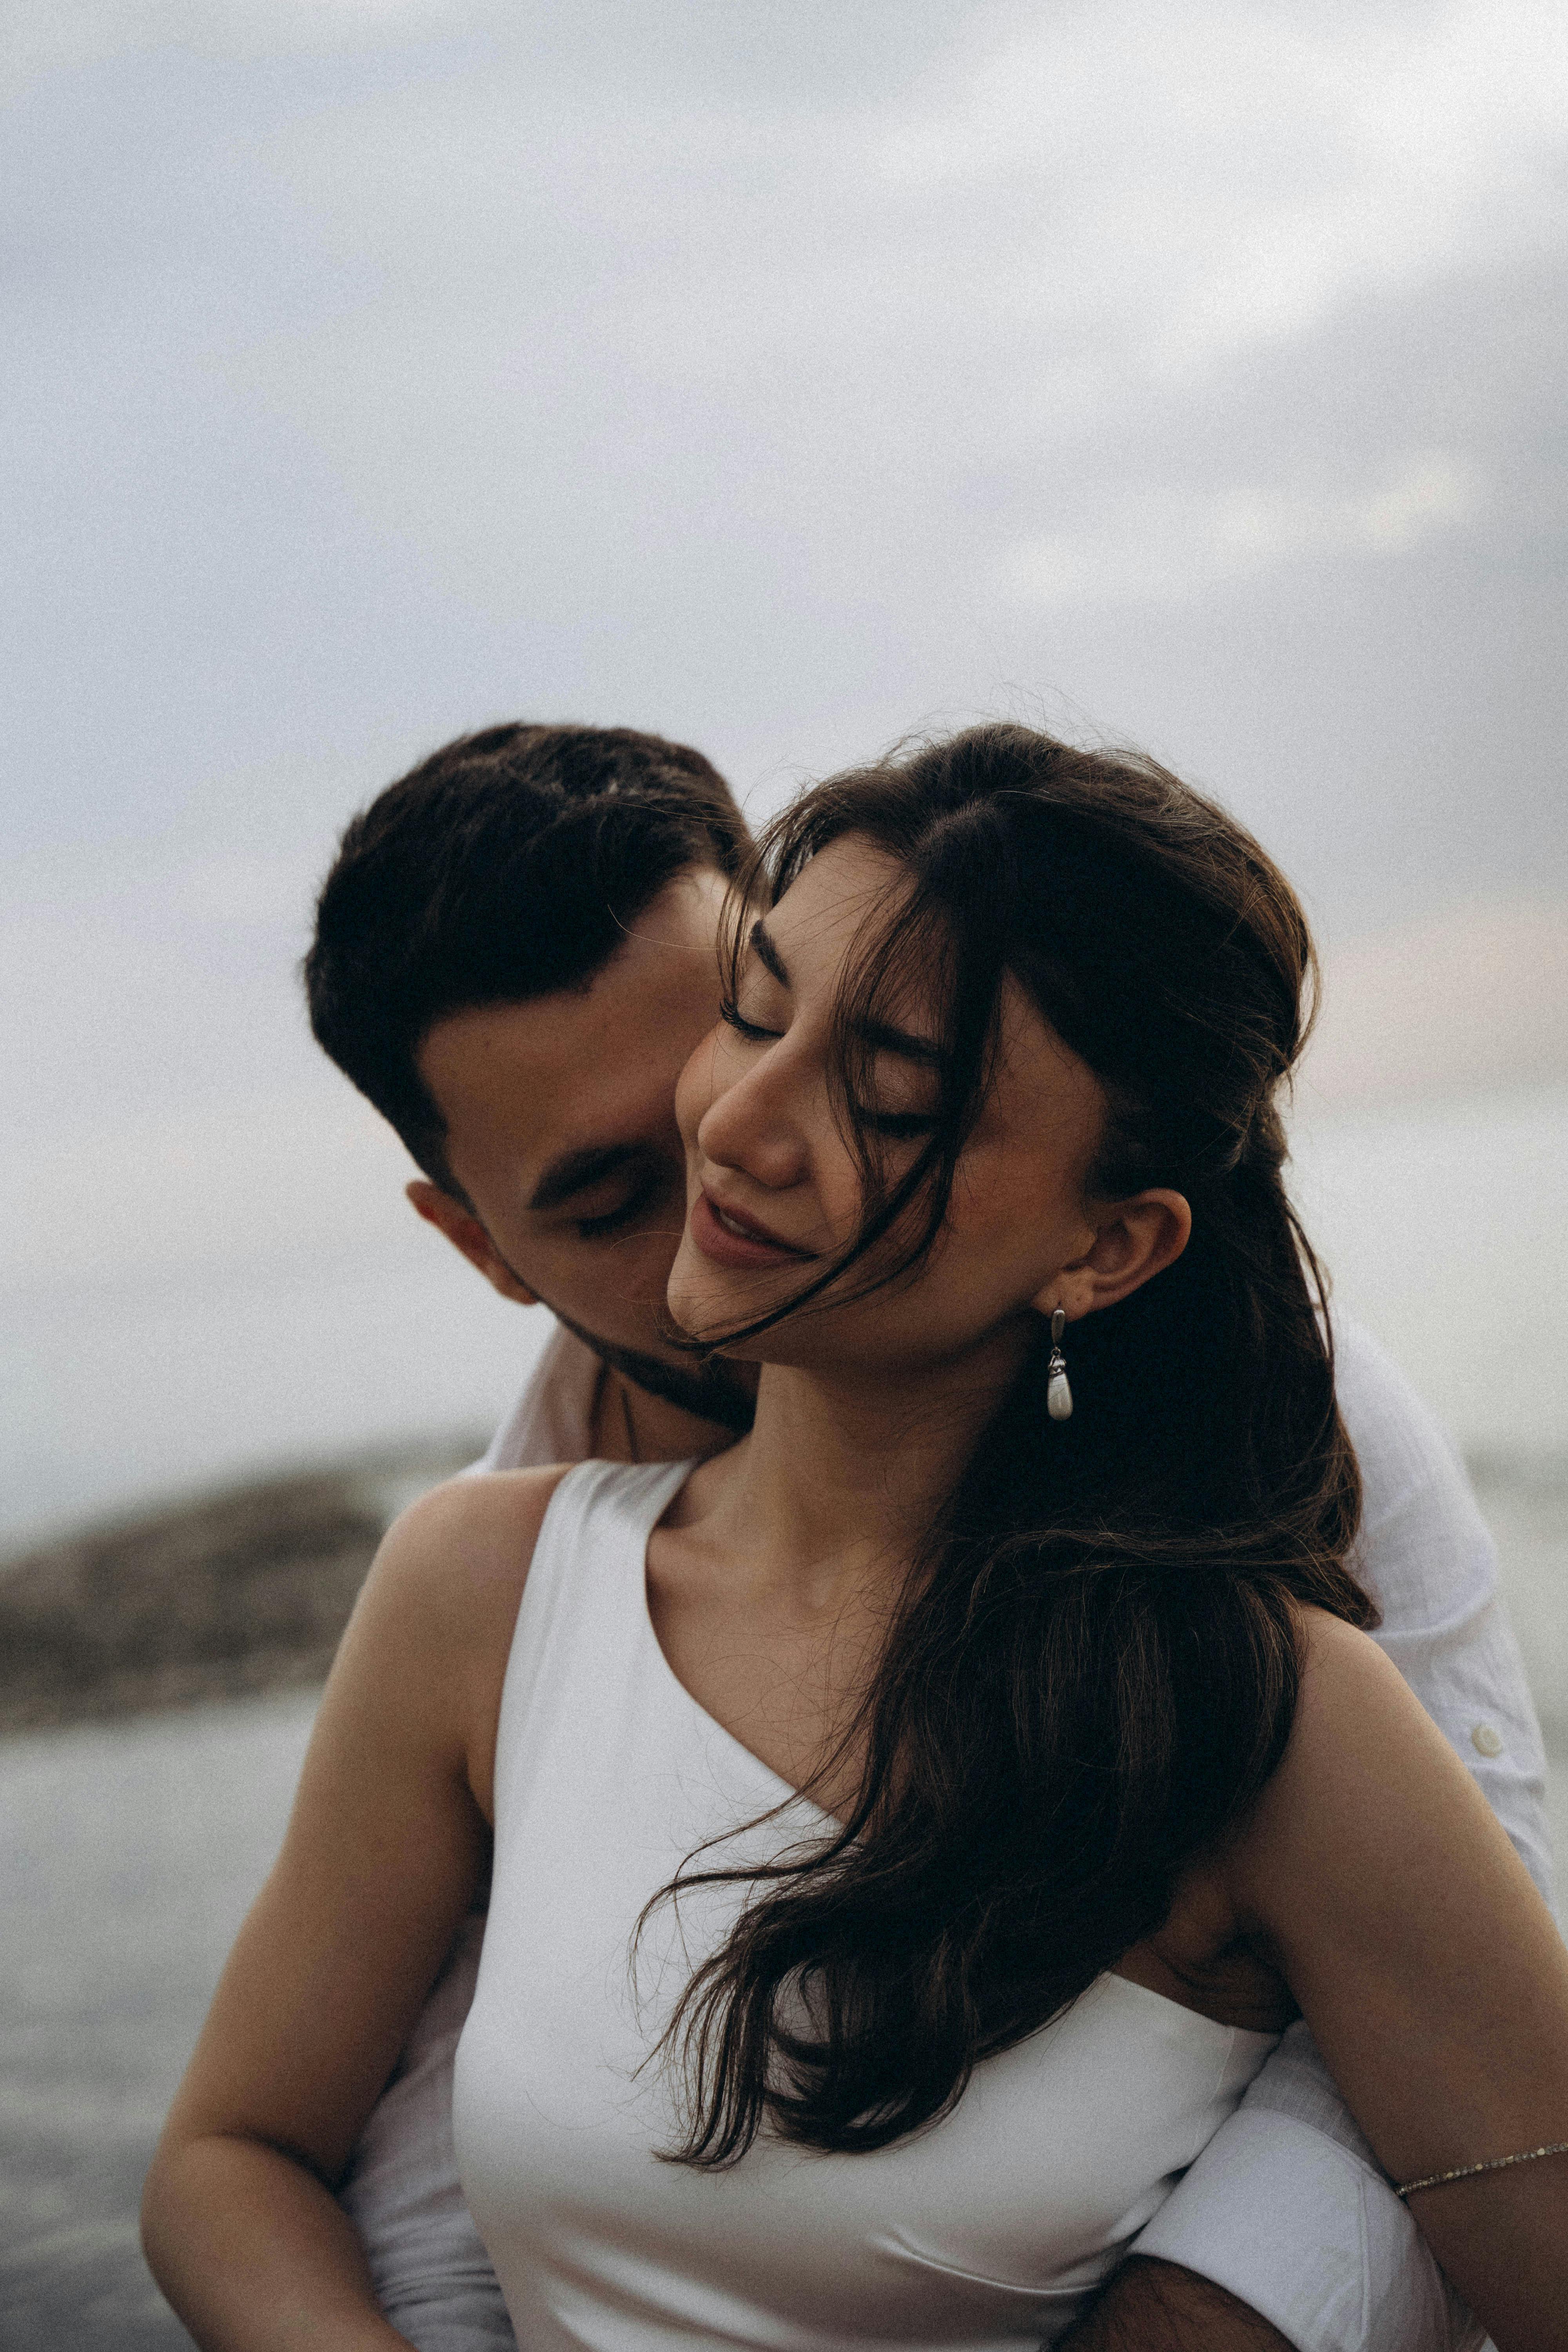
(427, 2262)
(988, 2230)
(1298, 2227)
(553, 1420)
(1285, 2207)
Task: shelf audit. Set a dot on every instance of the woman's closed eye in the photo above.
(897, 1126)
(734, 1018)
(905, 1126)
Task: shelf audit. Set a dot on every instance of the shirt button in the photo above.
(1485, 1740)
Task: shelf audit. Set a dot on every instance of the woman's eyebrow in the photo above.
(760, 940)
(879, 1035)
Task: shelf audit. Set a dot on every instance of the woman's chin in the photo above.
(707, 1300)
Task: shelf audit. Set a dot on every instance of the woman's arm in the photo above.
(383, 1851)
(1429, 1970)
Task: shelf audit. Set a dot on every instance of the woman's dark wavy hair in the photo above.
(1094, 1665)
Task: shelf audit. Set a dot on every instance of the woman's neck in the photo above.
(844, 1470)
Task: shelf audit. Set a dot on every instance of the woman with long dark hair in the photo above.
(912, 1827)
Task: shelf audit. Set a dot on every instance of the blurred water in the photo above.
(1527, 1509)
(117, 1394)
(130, 1855)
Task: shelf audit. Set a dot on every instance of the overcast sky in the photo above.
(779, 374)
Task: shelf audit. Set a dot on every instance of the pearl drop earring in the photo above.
(1059, 1395)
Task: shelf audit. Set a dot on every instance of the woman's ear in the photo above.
(466, 1234)
(1133, 1240)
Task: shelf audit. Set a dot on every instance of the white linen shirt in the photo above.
(1286, 2207)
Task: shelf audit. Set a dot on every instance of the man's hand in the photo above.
(1153, 2306)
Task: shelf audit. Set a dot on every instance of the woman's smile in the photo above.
(727, 1236)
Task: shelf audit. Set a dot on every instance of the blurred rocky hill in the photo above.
(242, 1591)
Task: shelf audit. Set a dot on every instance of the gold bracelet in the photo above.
(1492, 2163)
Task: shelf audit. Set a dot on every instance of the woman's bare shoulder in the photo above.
(439, 1604)
(1368, 1791)
(473, 1530)
(1352, 1698)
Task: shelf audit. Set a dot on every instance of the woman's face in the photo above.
(774, 1187)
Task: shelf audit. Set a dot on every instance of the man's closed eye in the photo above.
(625, 1212)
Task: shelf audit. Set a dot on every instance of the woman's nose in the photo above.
(750, 1125)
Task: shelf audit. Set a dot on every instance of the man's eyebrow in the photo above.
(760, 940)
(575, 1171)
(881, 1039)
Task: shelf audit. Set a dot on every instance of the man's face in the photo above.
(561, 1129)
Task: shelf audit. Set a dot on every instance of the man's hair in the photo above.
(506, 865)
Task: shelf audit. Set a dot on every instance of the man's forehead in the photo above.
(581, 1072)
(557, 1072)
(668, 953)
(607, 1114)
(542, 1133)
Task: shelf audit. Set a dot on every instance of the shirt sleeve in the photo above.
(552, 1418)
(1287, 2208)
(432, 2276)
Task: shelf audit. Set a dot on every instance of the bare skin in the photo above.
(1372, 1887)
(561, 1132)
(1153, 2306)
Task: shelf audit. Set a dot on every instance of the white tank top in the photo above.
(987, 2228)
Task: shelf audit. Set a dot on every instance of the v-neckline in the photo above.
(1140, 1993)
(788, 1793)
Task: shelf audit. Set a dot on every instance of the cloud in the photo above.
(1220, 178)
(717, 322)
(1159, 543)
(781, 377)
(42, 41)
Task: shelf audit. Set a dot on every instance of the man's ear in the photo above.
(466, 1234)
(1134, 1240)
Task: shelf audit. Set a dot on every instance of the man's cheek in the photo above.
(651, 1270)
(695, 1087)
(629, 1278)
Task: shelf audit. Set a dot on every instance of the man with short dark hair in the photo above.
(515, 947)
(514, 956)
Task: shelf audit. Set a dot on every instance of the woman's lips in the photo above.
(729, 1238)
